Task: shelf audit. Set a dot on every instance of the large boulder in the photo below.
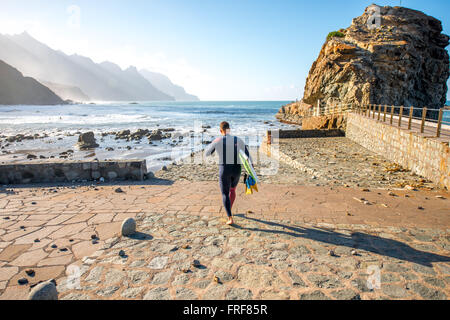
(87, 141)
(400, 60)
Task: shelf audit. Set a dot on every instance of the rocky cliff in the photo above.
(16, 89)
(389, 55)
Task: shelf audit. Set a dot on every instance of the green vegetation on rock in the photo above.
(335, 34)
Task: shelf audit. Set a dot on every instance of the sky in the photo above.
(215, 49)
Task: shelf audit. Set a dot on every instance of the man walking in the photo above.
(228, 148)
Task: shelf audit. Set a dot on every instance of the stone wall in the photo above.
(426, 157)
(72, 171)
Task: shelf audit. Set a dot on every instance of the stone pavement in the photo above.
(289, 242)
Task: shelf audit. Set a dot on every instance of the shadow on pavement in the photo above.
(140, 236)
(357, 240)
(149, 182)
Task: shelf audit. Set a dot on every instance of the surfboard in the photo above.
(248, 166)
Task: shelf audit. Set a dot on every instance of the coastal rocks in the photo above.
(87, 141)
(403, 61)
(44, 291)
(155, 135)
(128, 227)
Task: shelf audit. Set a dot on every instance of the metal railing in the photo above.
(425, 120)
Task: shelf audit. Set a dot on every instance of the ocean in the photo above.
(62, 124)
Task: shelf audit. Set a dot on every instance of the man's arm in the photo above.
(212, 148)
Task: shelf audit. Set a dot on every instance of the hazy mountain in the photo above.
(17, 89)
(39, 61)
(163, 83)
(67, 92)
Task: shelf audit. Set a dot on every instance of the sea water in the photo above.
(249, 119)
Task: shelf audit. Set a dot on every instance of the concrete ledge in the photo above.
(72, 171)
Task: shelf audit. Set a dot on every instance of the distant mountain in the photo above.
(39, 61)
(16, 89)
(67, 92)
(163, 83)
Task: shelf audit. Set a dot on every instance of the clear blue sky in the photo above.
(219, 50)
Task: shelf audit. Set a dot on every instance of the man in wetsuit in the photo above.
(228, 148)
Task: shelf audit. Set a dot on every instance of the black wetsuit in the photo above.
(228, 148)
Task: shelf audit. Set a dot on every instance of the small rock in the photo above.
(196, 263)
(29, 272)
(118, 190)
(94, 237)
(128, 227)
(37, 240)
(331, 253)
(185, 246)
(22, 281)
(354, 253)
(421, 208)
(122, 253)
(54, 246)
(216, 279)
(44, 291)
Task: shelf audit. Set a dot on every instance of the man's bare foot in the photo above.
(230, 221)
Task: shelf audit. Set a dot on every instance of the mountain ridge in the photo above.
(103, 81)
(15, 89)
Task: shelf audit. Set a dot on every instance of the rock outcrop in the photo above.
(87, 141)
(15, 89)
(399, 60)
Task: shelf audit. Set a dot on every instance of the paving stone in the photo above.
(211, 251)
(7, 273)
(346, 294)
(426, 292)
(423, 269)
(315, 295)
(395, 291)
(76, 296)
(161, 278)
(274, 295)
(325, 282)
(258, 277)
(180, 280)
(296, 279)
(360, 284)
(114, 276)
(278, 255)
(158, 263)
(138, 276)
(239, 294)
(95, 275)
(157, 294)
(389, 277)
(224, 276)
(107, 292)
(132, 293)
(216, 292)
(202, 284)
(185, 294)
(435, 282)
